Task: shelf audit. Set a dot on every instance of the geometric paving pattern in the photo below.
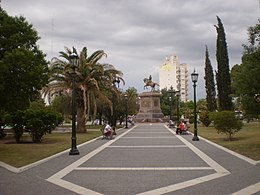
(154, 161)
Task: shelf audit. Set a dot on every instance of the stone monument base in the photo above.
(150, 108)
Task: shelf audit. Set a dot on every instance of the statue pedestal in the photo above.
(150, 108)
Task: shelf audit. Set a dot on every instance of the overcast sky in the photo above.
(137, 35)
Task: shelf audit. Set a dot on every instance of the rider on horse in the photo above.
(149, 82)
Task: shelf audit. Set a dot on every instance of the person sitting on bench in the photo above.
(180, 128)
(171, 123)
(108, 132)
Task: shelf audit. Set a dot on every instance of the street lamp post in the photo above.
(172, 93)
(170, 98)
(194, 78)
(116, 82)
(126, 111)
(74, 63)
(178, 107)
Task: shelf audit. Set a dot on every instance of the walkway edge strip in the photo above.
(73, 187)
(182, 185)
(166, 146)
(142, 168)
(249, 190)
(161, 137)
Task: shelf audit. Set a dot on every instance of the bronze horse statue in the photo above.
(149, 82)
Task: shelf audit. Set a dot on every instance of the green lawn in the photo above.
(21, 154)
(245, 142)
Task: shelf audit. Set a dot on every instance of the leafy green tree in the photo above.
(187, 109)
(110, 105)
(226, 122)
(223, 73)
(107, 90)
(23, 69)
(235, 80)
(62, 105)
(37, 104)
(253, 39)
(245, 77)
(202, 105)
(165, 102)
(120, 108)
(132, 98)
(209, 84)
(120, 105)
(104, 107)
(169, 103)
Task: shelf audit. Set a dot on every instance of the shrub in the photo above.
(41, 121)
(17, 122)
(204, 118)
(37, 122)
(191, 119)
(2, 133)
(3, 121)
(226, 122)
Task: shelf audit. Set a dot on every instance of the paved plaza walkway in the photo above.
(144, 159)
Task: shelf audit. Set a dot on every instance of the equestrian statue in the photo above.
(149, 82)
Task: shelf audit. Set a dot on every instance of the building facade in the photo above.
(173, 73)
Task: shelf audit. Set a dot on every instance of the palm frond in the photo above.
(96, 56)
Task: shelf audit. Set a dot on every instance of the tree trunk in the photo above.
(81, 120)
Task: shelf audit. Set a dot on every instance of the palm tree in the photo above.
(132, 96)
(93, 79)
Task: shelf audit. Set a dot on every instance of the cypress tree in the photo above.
(209, 84)
(223, 73)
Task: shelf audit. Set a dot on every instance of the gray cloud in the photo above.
(137, 35)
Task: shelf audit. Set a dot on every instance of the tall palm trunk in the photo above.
(81, 119)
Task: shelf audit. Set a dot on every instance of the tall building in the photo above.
(174, 74)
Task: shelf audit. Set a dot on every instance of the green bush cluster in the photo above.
(226, 122)
(42, 121)
(37, 122)
(191, 119)
(204, 118)
(2, 124)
